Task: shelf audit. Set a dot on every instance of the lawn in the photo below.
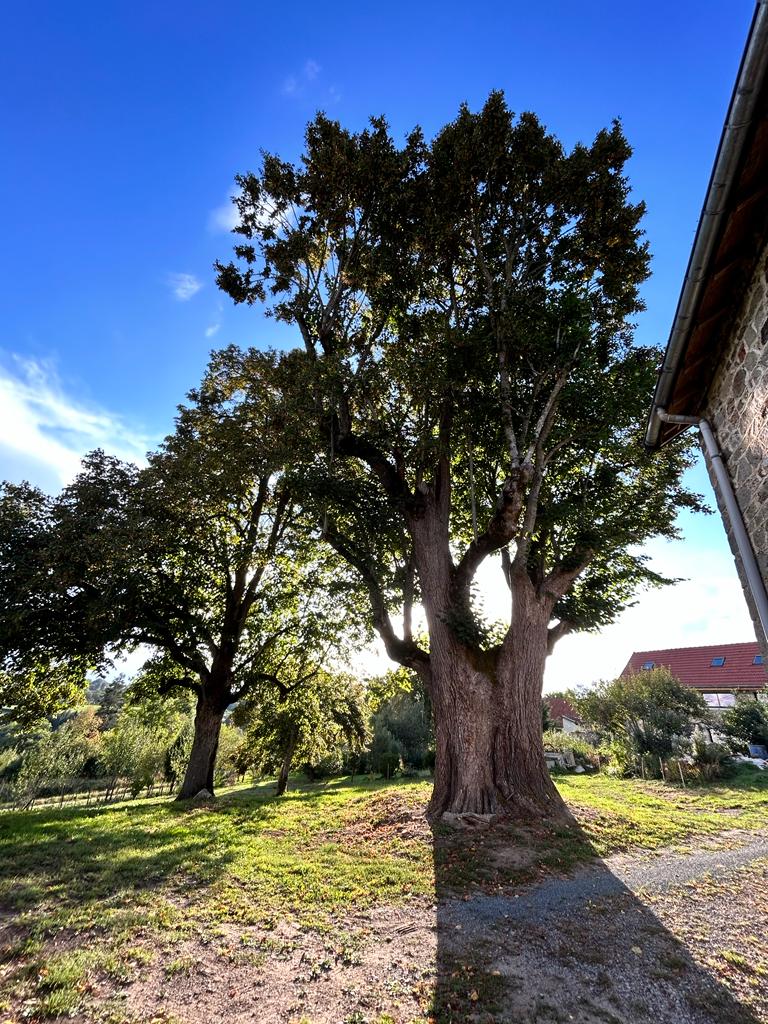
(91, 897)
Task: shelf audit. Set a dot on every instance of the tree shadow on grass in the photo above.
(85, 855)
(532, 926)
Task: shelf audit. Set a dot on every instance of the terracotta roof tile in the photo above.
(693, 666)
(559, 707)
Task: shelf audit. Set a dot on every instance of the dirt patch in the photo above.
(690, 955)
(370, 965)
(388, 816)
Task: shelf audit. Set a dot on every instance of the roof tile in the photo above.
(693, 666)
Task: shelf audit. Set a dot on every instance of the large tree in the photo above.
(465, 311)
(198, 556)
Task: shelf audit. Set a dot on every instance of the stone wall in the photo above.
(737, 408)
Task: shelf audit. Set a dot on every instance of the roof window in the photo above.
(757, 660)
(717, 662)
(649, 664)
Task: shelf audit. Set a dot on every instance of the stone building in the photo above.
(715, 370)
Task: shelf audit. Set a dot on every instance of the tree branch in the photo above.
(498, 533)
(556, 632)
(406, 652)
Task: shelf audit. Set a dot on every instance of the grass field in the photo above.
(104, 892)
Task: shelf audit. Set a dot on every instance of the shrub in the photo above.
(386, 752)
(584, 751)
(710, 760)
(649, 712)
(746, 722)
(619, 757)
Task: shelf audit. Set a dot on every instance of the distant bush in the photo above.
(325, 767)
(746, 722)
(619, 757)
(649, 717)
(386, 752)
(584, 751)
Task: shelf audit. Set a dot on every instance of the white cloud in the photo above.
(44, 432)
(308, 82)
(223, 218)
(212, 330)
(184, 286)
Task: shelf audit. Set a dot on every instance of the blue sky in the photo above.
(123, 124)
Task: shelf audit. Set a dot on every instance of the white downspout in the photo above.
(752, 572)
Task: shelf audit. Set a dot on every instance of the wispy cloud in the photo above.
(184, 286)
(212, 330)
(45, 432)
(308, 81)
(223, 218)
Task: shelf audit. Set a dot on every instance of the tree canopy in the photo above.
(467, 386)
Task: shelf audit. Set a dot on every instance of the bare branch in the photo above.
(556, 632)
(502, 528)
(406, 652)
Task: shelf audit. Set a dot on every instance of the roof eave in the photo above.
(736, 131)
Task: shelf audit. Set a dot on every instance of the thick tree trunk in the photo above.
(285, 767)
(489, 748)
(205, 744)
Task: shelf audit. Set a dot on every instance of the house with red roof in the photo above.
(720, 672)
(562, 714)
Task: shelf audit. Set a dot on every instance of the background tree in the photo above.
(401, 722)
(651, 710)
(198, 556)
(470, 389)
(109, 700)
(746, 722)
(303, 721)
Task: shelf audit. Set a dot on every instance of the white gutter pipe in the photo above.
(752, 572)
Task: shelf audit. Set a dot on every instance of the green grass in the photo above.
(118, 886)
(616, 814)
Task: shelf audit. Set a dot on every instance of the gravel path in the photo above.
(614, 877)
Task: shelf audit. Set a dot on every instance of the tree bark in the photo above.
(489, 757)
(205, 744)
(285, 767)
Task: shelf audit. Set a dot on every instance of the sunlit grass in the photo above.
(616, 814)
(125, 883)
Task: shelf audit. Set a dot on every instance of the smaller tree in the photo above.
(148, 728)
(304, 723)
(109, 702)
(650, 710)
(402, 722)
(59, 754)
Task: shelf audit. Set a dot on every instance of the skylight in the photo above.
(758, 659)
(717, 662)
(649, 664)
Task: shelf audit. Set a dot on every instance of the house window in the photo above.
(757, 660)
(648, 664)
(717, 662)
(720, 700)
